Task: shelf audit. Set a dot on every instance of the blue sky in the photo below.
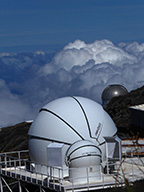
(52, 49)
(52, 22)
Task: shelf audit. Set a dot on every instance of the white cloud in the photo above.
(77, 44)
(134, 48)
(78, 53)
(4, 54)
(31, 80)
(12, 109)
(67, 58)
(40, 53)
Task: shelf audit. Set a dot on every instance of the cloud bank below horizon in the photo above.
(30, 80)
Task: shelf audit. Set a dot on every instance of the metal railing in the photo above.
(12, 165)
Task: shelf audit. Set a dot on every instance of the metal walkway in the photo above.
(12, 165)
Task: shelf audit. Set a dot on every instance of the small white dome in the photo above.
(83, 153)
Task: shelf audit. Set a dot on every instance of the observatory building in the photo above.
(112, 91)
(74, 132)
(73, 146)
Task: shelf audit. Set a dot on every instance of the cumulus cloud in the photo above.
(12, 109)
(30, 80)
(78, 53)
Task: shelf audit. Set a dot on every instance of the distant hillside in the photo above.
(14, 138)
(118, 108)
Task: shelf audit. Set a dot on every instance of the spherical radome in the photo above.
(112, 91)
(67, 120)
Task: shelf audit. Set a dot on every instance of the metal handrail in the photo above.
(10, 166)
(16, 163)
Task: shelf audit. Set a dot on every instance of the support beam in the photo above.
(20, 188)
(1, 185)
(7, 184)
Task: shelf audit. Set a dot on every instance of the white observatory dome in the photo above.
(65, 121)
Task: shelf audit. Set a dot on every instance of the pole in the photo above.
(1, 185)
(20, 189)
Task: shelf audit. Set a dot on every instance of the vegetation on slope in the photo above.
(118, 108)
(14, 138)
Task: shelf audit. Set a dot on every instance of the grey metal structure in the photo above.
(112, 91)
(137, 119)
